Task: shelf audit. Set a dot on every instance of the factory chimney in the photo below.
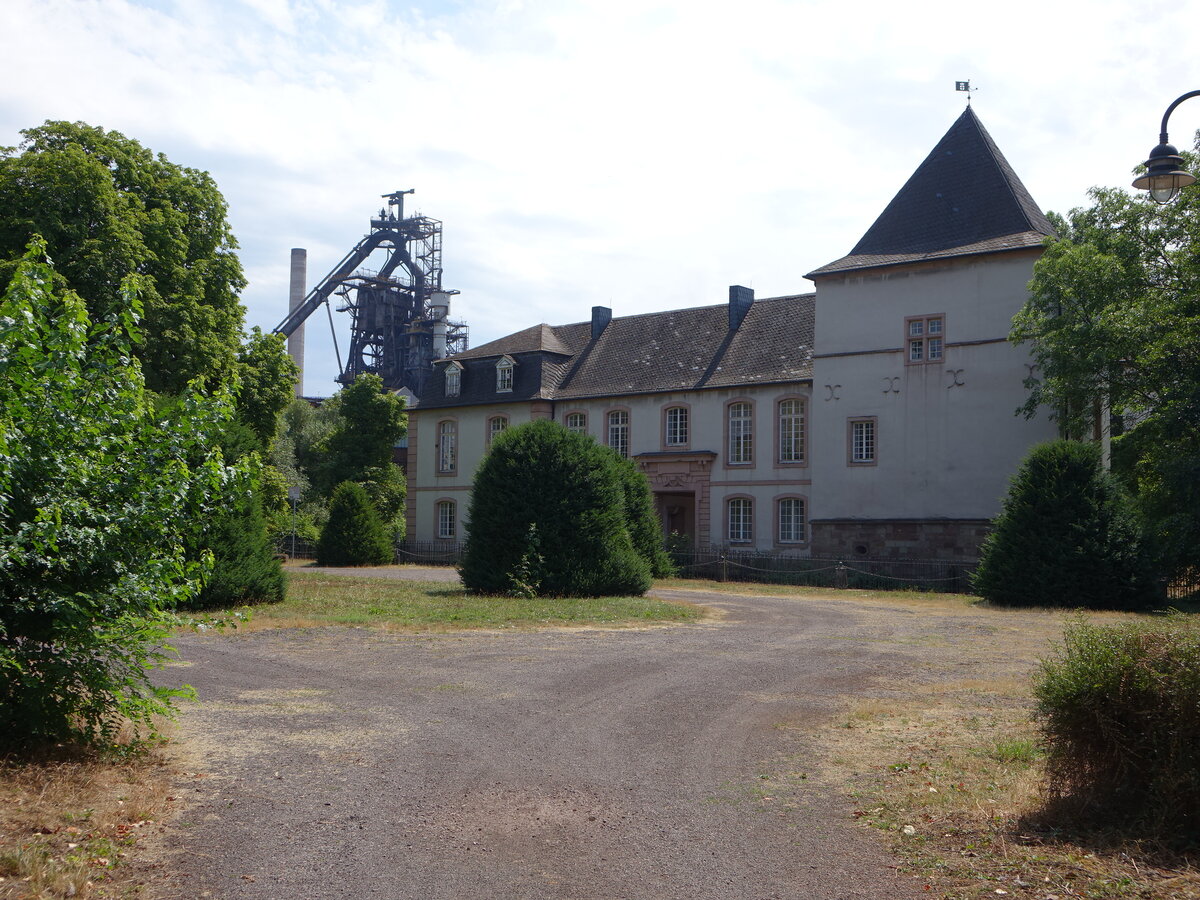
(295, 341)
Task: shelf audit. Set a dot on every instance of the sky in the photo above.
(634, 154)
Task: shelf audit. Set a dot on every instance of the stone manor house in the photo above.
(872, 418)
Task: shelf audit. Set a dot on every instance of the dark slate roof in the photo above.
(964, 199)
(683, 349)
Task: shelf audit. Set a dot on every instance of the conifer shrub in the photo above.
(548, 517)
(1066, 536)
(354, 535)
(1120, 721)
(245, 567)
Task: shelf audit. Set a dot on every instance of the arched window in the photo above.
(447, 446)
(496, 424)
(447, 520)
(792, 432)
(576, 421)
(792, 521)
(740, 514)
(618, 431)
(741, 433)
(675, 426)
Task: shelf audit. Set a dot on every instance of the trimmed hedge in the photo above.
(548, 516)
(1119, 707)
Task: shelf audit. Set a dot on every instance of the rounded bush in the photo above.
(354, 535)
(548, 516)
(1065, 537)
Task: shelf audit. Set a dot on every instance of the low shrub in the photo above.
(1119, 709)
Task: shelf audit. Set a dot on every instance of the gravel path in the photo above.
(674, 762)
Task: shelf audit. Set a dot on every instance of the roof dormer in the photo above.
(504, 374)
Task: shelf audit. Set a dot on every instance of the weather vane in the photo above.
(965, 86)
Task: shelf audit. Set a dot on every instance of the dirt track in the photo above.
(673, 762)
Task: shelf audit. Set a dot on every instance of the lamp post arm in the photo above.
(1162, 137)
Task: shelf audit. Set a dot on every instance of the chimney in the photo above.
(295, 341)
(601, 316)
(740, 299)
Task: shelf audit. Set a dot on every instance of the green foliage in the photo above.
(266, 384)
(354, 534)
(1064, 537)
(1114, 319)
(572, 491)
(1121, 724)
(100, 493)
(369, 421)
(107, 208)
(245, 568)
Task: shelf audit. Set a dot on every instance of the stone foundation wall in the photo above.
(898, 538)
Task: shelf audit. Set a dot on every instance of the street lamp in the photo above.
(1165, 174)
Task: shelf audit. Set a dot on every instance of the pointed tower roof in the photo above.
(963, 199)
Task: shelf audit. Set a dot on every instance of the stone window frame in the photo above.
(581, 429)
(628, 429)
(804, 526)
(924, 339)
(490, 429)
(851, 458)
(505, 376)
(447, 457)
(730, 462)
(440, 506)
(742, 501)
(686, 443)
(804, 422)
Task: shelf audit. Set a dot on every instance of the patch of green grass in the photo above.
(315, 598)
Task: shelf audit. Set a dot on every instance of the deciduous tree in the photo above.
(100, 494)
(1113, 321)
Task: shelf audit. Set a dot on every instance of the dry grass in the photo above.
(70, 822)
(949, 769)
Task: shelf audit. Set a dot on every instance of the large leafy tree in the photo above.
(108, 207)
(1114, 324)
(101, 494)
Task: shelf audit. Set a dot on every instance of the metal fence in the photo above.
(1185, 586)
(724, 564)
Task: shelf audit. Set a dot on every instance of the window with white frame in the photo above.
(504, 375)
(791, 520)
(740, 512)
(791, 431)
(741, 433)
(446, 519)
(862, 442)
(925, 339)
(576, 421)
(618, 431)
(675, 427)
(447, 446)
(453, 380)
(496, 424)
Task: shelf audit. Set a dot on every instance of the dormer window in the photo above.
(504, 375)
(453, 375)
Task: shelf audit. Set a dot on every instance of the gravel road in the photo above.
(672, 762)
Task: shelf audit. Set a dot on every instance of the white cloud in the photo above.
(641, 155)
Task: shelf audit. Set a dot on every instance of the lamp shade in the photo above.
(1164, 174)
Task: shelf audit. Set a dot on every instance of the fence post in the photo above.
(724, 567)
(840, 578)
